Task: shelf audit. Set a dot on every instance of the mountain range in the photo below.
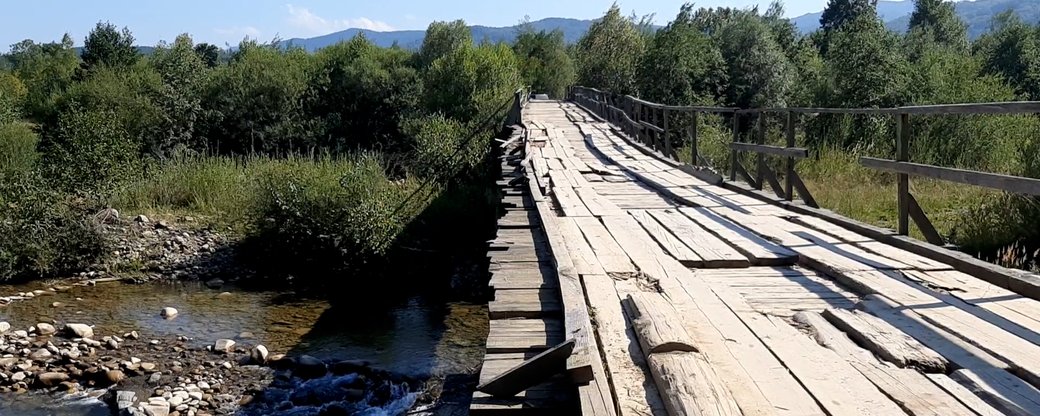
(976, 14)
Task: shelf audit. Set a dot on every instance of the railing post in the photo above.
(694, 157)
(903, 155)
(761, 139)
(667, 137)
(733, 153)
(788, 184)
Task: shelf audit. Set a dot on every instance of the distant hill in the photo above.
(572, 30)
(976, 14)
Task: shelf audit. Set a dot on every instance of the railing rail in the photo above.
(648, 123)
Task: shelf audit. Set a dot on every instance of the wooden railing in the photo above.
(648, 123)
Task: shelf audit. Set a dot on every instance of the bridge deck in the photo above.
(705, 301)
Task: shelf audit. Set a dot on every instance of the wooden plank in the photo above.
(692, 386)
(760, 251)
(537, 277)
(581, 253)
(597, 205)
(529, 373)
(759, 383)
(1007, 183)
(657, 324)
(634, 392)
(524, 303)
(522, 335)
(914, 392)
(569, 202)
(1017, 309)
(1012, 397)
(913, 260)
(964, 395)
(714, 251)
(610, 256)
(886, 341)
(668, 241)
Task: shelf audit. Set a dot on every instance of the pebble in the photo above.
(223, 345)
(79, 330)
(4, 327)
(168, 313)
(45, 329)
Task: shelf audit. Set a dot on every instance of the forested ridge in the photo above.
(334, 159)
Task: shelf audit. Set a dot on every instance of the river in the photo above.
(422, 336)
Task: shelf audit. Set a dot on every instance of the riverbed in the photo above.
(422, 337)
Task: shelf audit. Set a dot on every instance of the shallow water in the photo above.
(417, 336)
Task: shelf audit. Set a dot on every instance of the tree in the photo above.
(608, 54)
(182, 72)
(209, 53)
(840, 12)
(107, 46)
(937, 21)
(865, 67)
(682, 65)
(46, 70)
(544, 62)
(442, 38)
(473, 84)
(757, 70)
(1012, 50)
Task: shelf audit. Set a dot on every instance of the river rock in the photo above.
(51, 379)
(113, 377)
(57, 305)
(156, 409)
(45, 329)
(4, 327)
(259, 354)
(21, 333)
(125, 399)
(41, 355)
(112, 344)
(309, 367)
(142, 219)
(168, 313)
(155, 378)
(223, 345)
(214, 283)
(19, 376)
(79, 330)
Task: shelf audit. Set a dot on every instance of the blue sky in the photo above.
(228, 21)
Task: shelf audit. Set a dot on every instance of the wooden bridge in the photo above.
(628, 283)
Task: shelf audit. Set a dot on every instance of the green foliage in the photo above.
(937, 20)
(443, 38)
(361, 93)
(442, 146)
(178, 99)
(46, 70)
(544, 62)
(682, 65)
(18, 156)
(866, 69)
(1012, 50)
(255, 102)
(129, 95)
(105, 45)
(12, 93)
(609, 53)
(474, 83)
(209, 54)
(838, 13)
(758, 71)
(89, 152)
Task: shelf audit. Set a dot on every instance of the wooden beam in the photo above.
(1007, 183)
(923, 223)
(658, 325)
(530, 373)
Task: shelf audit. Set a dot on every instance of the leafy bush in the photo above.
(89, 152)
(607, 55)
(544, 62)
(473, 83)
(12, 92)
(18, 156)
(42, 233)
(442, 146)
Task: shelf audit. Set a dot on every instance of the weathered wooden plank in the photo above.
(525, 303)
(530, 372)
(569, 202)
(886, 341)
(522, 335)
(634, 392)
(914, 392)
(611, 257)
(657, 325)
(597, 205)
(760, 251)
(714, 251)
(895, 253)
(537, 276)
(581, 253)
(1017, 309)
(965, 396)
(668, 241)
(1007, 183)
(1010, 396)
(692, 387)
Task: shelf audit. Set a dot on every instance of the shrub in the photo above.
(473, 83)
(440, 146)
(89, 152)
(18, 156)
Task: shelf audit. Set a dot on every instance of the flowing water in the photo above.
(418, 336)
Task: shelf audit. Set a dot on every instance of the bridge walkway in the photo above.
(687, 298)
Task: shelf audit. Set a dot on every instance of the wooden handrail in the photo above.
(1016, 184)
(791, 152)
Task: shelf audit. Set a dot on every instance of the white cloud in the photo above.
(302, 18)
(243, 31)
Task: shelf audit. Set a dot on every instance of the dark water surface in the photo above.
(418, 336)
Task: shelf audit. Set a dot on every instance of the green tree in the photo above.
(937, 21)
(209, 53)
(361, 93)
(46, 70)
(841, 12)
(89, 152)
(473, 84)
(866, 69)
(183, 73)
(1011, 49)
(682, 65)
(544, 62)
(105, 45)
(757, 70)
(608, 54)
(442, 38)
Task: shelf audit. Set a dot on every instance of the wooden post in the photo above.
(694, 157)
(653, 120)
(788, 185)
(760, 174)
(733, 153)
(903, 155)
(667, 137)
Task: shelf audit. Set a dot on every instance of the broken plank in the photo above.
(569, 202)
(886, 341)
(529, 373)
(610, 256)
